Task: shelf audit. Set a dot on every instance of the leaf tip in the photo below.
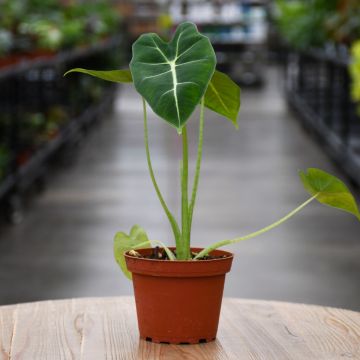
(69, 71)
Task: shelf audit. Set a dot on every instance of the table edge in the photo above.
(248, 301)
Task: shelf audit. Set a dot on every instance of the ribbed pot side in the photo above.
(178, 302)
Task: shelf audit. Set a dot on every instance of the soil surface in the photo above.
(160, 254)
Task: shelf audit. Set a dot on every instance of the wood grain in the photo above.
(106, 328)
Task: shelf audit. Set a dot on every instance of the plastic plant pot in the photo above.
(178, 302)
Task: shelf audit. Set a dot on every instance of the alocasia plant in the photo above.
(173, 79)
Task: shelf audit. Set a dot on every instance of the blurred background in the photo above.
(72, 161)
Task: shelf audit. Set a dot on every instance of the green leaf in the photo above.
(118, 76)
(124, 242)
(223, 97)
(331, 191)
(173, 77)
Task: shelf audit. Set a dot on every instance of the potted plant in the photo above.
(178, 290)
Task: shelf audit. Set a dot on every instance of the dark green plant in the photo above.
(46, 33)
(344, 25)
(53, 25)
(174, 78)
(73, 31)
(12, 12)
(303, 23)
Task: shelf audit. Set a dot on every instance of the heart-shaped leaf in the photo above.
(173, 77)
(124, 242)
(223, 97)
(330, 190)
(119, 76)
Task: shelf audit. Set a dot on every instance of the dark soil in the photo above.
(160, 254)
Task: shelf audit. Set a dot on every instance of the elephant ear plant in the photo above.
(173, 78)
(178, 290)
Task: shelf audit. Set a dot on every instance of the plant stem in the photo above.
(183, 252)
(198, 164)
(210, 248)
(173, 223)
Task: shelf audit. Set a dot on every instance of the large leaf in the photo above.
(331, 191)
(124, 242)
(223, 97)
(173, 77)
(119, 76)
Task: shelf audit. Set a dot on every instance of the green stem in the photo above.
(183, 252)
(210, 248)
(171, 218)
(198, 164)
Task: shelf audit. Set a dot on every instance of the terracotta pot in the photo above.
(14, 59)
(178, 302)
(40, 53)
(10, 60)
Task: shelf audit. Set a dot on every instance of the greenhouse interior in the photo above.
(239, 112)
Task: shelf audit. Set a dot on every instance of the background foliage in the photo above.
(304, 24)
(26, 25)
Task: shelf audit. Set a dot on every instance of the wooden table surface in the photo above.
(106, 328)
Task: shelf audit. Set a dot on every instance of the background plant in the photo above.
(54, 25)
(305, 24)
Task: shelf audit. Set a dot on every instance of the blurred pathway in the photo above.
(249, 179)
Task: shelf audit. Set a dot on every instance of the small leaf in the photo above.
(118, 76)
(223, 97)
(124, 242)
(331, 191)
(173, 77)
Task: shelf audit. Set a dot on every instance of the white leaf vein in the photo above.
(190, 62)
(154, 76)
(188, 49)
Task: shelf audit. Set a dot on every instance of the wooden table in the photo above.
(106, 328)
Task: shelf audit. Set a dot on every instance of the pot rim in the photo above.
(228, 254)
(180, 268)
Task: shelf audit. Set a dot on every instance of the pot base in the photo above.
(175, 341)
